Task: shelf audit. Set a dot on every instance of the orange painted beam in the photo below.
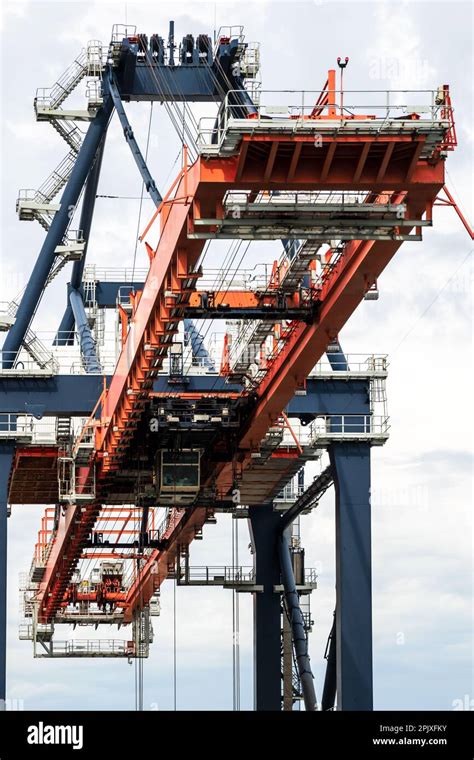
(362, 262)
(270, 162)
(239, 299)
(294, 161)
(322, 170)
(181, 532)
(385, 161)
(196, 396)
(234, 298)
(361, 162)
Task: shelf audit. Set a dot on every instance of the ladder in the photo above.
(142, 632)
(95, 315)
(63, 430)
(249, 340)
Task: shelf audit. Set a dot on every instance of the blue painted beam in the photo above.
(76, 395)
(148, 180)
(351, 470)
(149, 79)
(65, 331)
(328, 396)
(300, 639)
(6, 456)
(337, 358)
(90, 361)
(161, 83)
(37, 281)
(106, 293)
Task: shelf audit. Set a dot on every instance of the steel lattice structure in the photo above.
(169, 438)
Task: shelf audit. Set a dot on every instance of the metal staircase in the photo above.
(34, 347)
(57, 179)
(272, 441)
(37, 350)
(69, 131)
(298, 266)
(52, 97)
(245, 351)
(76, 473)
(72, 249)
(38, 204)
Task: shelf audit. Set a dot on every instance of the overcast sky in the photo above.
(422, 478)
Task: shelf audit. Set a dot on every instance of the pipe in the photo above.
(65, 335)
(318, 487)
(37, 281)
(300, 640)
(89, 355)
(329, 690)
(197, 344)
(313, 492)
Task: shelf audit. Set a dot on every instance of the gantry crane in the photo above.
(132, 457)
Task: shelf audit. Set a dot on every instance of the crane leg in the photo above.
(351, 470)
(264, 526)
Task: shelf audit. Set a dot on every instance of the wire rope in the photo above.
(142, 192)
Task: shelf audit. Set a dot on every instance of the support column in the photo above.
(6, 455)
(264, 524)
(351, 469)
(65, 335)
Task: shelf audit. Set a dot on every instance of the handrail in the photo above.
(378, 108)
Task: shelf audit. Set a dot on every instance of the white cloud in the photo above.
(397, 53)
